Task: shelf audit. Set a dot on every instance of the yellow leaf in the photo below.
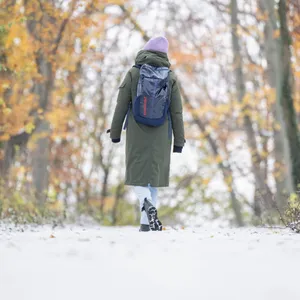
(206, 181)
(7, 111)
(276, 34)
(4, 137)
(218, 159)
(247, 99)
(5, 86)
(29, 128)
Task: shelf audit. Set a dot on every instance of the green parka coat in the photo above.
(148, 149)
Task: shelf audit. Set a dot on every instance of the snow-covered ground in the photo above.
(121, 263)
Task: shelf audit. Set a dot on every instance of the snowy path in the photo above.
(121, 263)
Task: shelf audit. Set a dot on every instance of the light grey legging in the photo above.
(148, 192)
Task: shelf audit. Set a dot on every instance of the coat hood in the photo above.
(153, 58)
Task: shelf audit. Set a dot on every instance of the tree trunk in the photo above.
(9, 149)
(260, 184)
(40, 163)
(286, 99)
(118, 196)
(283, 166)
(40, 154)
(104, 190)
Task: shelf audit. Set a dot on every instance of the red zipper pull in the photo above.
(145, 105)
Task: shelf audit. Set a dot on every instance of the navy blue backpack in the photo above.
(152, 103)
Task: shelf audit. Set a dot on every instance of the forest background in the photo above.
(238, 64)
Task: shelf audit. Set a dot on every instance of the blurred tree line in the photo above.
(61, 61)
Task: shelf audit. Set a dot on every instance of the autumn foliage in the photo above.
(60, 65)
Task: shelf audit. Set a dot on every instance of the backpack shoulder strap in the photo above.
(137, 66)
(169, 105)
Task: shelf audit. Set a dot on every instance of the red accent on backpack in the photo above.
(145, 106)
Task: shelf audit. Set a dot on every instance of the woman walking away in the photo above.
(149, 101)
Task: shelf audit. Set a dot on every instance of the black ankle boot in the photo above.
(154, 223)
(144, 227)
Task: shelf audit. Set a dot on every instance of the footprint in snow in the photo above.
(83, 239)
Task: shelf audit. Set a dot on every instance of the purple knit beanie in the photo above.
(160, 44)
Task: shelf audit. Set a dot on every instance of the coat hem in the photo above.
(145, 184)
